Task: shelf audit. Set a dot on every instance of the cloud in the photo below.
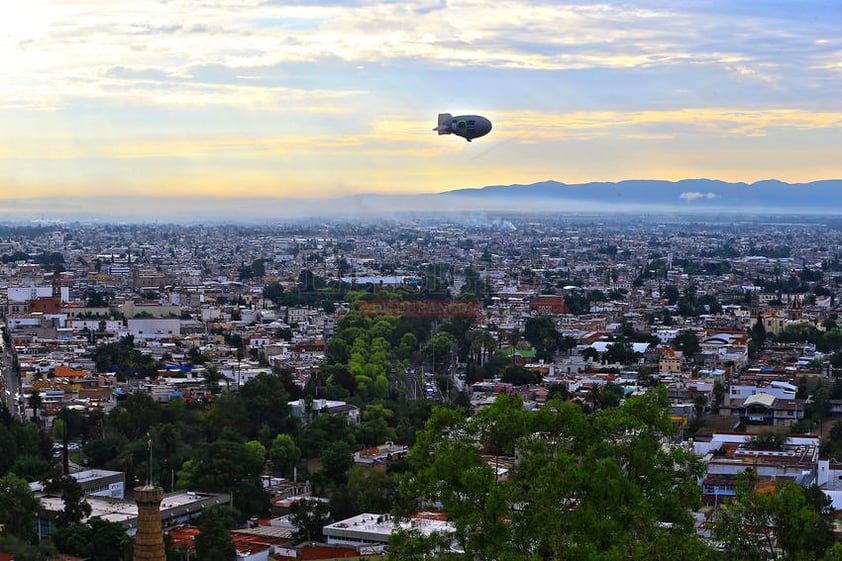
(83, 40)
(694, 195)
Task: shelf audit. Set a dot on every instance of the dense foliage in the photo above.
(597, 486)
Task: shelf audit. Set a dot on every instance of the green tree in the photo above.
(323, 430)
(309, 516)
(718, 396)
(438, 349)
(231, 466)
(284, 454)
(214, 543)
(273, 292)
(135, 416)
(590, 353)
(760, 522)
(671, 293)
(96, 539)
(18, 507)
(212, 378)
(595, 487)
(265, 401)
(337, 458)
(371, 490)
(519, 375)
(621, 352)
(414, 545)
(34, 402)
(688, 343)
(374, 429)
(541, 333)
(758, 333)
(75, 506)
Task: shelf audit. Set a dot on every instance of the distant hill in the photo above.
(677, 198)
(689, 194)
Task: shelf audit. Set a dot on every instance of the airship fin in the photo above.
(445, 123)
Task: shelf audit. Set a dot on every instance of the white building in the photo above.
(368, 528)
(154, 328)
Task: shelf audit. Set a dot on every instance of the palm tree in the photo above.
(34, 401)
(482, 345)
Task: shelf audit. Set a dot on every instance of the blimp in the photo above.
(468, 127)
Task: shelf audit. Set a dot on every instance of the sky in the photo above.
(301, 99)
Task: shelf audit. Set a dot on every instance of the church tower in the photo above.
(149, 540)
(755, 307)
(794, 310)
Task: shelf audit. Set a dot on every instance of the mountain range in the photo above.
(688, 195)
(685, 197)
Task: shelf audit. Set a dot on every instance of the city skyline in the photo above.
(326, 99)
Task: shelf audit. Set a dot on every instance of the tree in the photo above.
(438, 349)
(593, 487)
(34, 402)
(758, 333)
(590, 354)
(18, 507)
(768, 440)
(337, 459)
(688, 343)
(718, 396)
(75, 506)
(284, 454)
(621, 352)
(96, 539)
(212, 378)
(371, 490)
(229, 465)
(273, 292)
(374, 428)
(518, 375)
(135, 417)
(214, 543)
(309, 516)
(541, 333)
(413, 545)
(265, 401)
(321, 432)
(759, 522)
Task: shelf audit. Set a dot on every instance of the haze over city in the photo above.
(163, 106)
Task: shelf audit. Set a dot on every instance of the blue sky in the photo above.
(221, 99)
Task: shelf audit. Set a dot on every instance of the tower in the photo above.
(57, 286)
(149, 540)
(794, 310)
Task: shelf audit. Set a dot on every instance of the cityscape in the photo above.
(420, 280)
(364, 389)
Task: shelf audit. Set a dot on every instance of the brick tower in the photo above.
(149, 540)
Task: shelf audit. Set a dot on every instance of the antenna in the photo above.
(149, 472)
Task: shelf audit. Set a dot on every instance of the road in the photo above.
(12, 397)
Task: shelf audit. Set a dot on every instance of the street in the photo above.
(15, 402)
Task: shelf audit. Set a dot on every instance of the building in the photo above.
(727, 454)
(149, 539)
(378, 457)
(157, 328)
(375, 529)
(671, 361)
(95, 483)
(175, 509)
(304, 411)
(766, 409)
(548, 304)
